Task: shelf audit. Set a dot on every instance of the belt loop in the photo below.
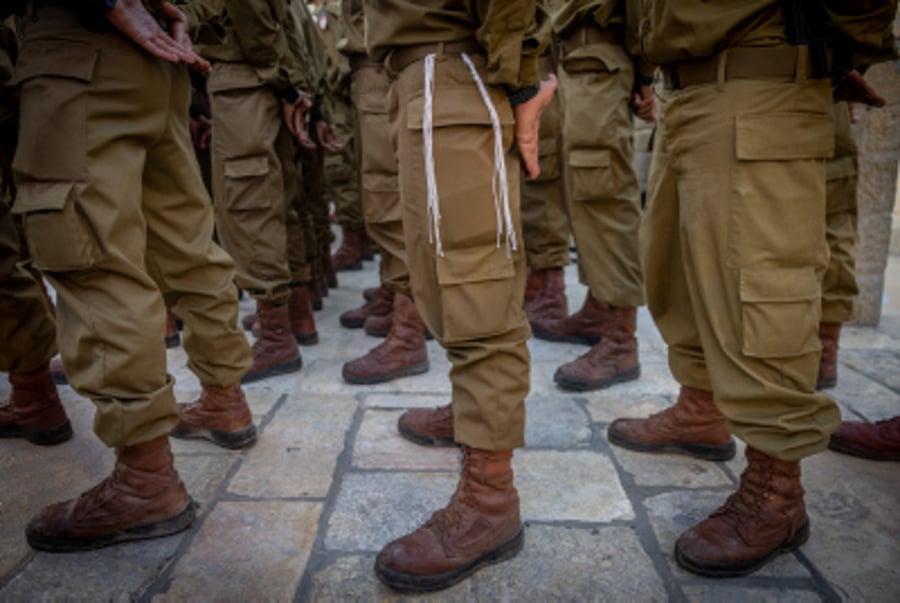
(801, 63)
(721, 68)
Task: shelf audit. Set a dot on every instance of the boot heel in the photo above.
(49, 437)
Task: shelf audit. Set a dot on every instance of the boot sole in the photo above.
(226, 439)
(731, 570)
(307, 338)
(826, 383)
(706, 452)
(409, 371)
(173, 341)
(278, 369)
(350, 267)
(412, 583)
(577, 385)
(352, 323)
(40, 437)
(424, 440)
(589, 340)
(157, 529)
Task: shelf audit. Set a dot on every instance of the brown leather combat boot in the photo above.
(829, 335)
(370, 293)
(764, 518)
(366, 246)
(381, 305)
(303, 322)
(220, 415)
(319, 276)
(879, 441)
(479, 526)
(428, 426)
(613, 360)
(550, 303)
(584, 326)
(143, 498)
(693, 426)
(379, 326)
(275, 351)
(534, 282)
(403, 353)
(33, 410)
(349, 254)
(173, 337)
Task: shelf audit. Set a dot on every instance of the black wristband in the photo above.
(523, 95)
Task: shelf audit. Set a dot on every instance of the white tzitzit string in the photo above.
(500, 184)
(434, 209)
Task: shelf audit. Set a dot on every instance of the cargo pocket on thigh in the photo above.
(591, 174)
(780, 312)
(476, 292)
(60, 237)
(246, 184)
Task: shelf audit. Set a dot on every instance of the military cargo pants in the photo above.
(255, 184)
(839, 289)
(342, 171)
(545, 222)
(118, 221)
(595, 84)
(379, 187)
(734, 250)
(470, 297)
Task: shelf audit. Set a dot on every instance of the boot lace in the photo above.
(450, 518)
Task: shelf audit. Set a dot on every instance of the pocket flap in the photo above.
(247, 167)
(595, 57)
(782, 285)
(589, 158)
(41, 196)
(784, 136)
(474, 264)
(456, 106)
(70, 60)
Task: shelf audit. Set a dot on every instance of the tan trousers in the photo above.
(734, 250)
(545, 222)
(255, 184)
(27, 328)
(470, 297)
(839, 289)
(118, 221)
(595, 83)
(380, 190)
(342, 171)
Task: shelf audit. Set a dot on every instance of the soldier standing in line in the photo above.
(465, 82)
(735, 248)
(118, 221)
(27, 327)
(601, 82)
(391, 311)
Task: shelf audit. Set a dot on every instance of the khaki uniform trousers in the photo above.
(27, 327)
(255, 184)
(342, 171)
(595, 84)
(470, 297)
(545, 223)
(839, 289)
(314, 210)
(118, 221)
(734, 250)
(379, 186)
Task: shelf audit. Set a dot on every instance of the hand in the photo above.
(643, 103)
(131, 18)
(328, 137)
(528, 121)
(296, 119)
(853, 88)
(201, 131)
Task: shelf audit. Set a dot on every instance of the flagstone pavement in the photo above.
(301, 515)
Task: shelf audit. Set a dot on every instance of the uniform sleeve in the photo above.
(508, 35)
(861, 33)
(199, 12)
(260, 29)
